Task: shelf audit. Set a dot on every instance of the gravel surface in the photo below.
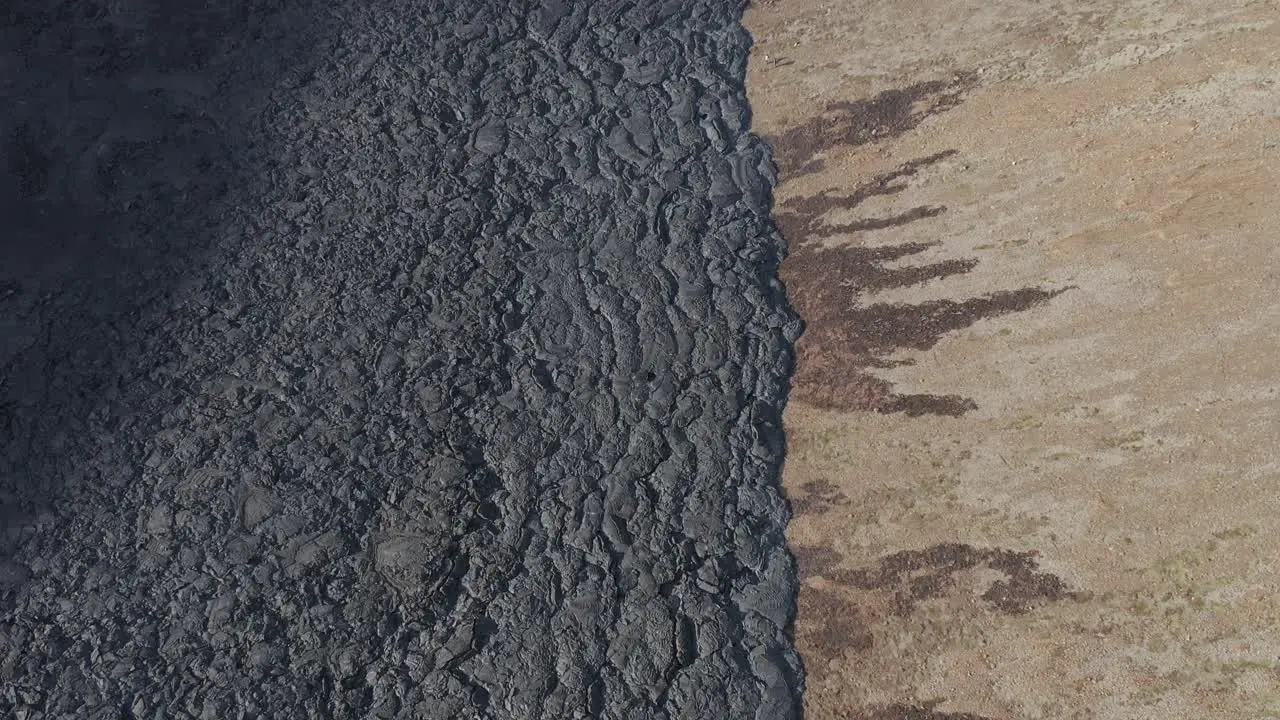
(389, 359)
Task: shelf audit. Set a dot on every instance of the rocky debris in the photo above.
(389, 359)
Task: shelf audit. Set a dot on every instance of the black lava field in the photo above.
(389, 359)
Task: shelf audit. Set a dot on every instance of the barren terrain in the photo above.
(1032, 431)
(389, 359)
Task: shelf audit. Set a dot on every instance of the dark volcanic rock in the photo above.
(399, 359)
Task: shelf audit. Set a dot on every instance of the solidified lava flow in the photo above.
(392, 359)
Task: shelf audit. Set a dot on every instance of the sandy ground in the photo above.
(1033, 428)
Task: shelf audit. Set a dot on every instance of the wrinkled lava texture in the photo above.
(388, 358)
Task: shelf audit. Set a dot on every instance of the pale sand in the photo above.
(1083, 366)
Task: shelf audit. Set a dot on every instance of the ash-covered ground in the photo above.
(392, 358)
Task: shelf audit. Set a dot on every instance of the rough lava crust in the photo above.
(391, 359)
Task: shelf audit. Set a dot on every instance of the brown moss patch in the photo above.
(818, 496)
(850, 124)
(844, 338)
(914, 576)
(812, 561)
(924, 711)
(833, 626)
(833, 619)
